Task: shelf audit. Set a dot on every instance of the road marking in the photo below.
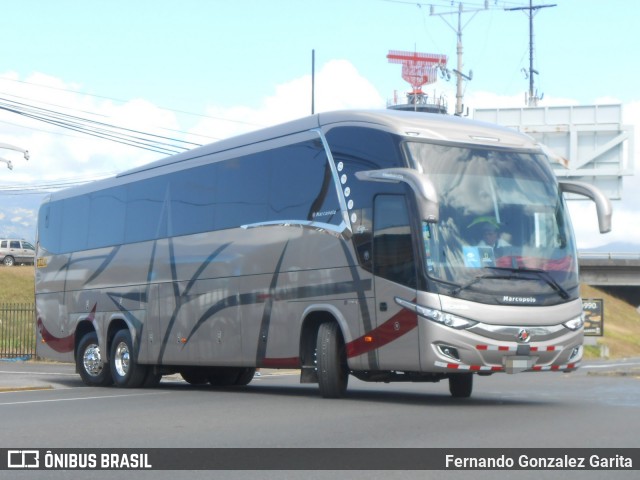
(611, 365)
(40, 373)
(25, 389)
(83, 398)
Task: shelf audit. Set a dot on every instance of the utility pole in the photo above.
(532, 100)
(313, 81)
(458, 71)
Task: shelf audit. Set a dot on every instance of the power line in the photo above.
(127, 136)
(119, 100)
(191, 134)
(46, 187)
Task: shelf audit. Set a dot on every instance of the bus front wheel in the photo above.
(333, 373)
(125, 369)
(461, 385)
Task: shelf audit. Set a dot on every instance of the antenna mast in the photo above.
(458, 71)
(532, 101)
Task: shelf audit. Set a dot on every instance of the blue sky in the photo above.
(235, 66)
(193, 53)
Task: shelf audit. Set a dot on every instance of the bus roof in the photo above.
(418, 125)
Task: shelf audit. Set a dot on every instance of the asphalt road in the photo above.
(45, 405)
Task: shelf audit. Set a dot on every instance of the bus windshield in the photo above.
(504, 230)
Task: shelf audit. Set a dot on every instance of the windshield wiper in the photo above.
(477, 278)
(542, 274)
(515, 273)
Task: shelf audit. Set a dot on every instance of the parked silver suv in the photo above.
(16, 252)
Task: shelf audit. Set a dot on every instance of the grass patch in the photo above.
(621, 326)
(17, 284)
(17, 317)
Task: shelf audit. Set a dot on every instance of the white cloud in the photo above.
(58, 153)
(338, 85)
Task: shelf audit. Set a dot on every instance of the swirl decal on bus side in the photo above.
(398, 325)
(60, 344)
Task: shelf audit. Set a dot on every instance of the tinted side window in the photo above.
(49, 226)
(193, 200)
(106, 222)
(301, 184)
(288, 183)
(357, 149)
(14, 244)
(242, 190)
(147, 209)
(75, 218)
(392, 245)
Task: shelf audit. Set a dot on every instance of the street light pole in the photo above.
(17, 149)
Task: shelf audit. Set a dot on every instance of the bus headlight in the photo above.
(575, 323)
(443, 318)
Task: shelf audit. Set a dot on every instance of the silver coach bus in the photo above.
(391, 246)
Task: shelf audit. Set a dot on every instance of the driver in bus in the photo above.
(492, 237)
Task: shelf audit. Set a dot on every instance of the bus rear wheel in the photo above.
(461, 385)
(333, 373)
(223, 376)
(89, 362)
(245, 376)
(125, 369)
(194, 375)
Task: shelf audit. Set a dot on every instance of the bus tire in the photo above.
(194, 376)
(333, 373)
(125, 369)
(223, 376)
(461, 385)
(89, 363)
(245, 376)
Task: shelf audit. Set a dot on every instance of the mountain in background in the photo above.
(614, 247)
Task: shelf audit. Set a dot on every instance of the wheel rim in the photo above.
(92, 360)
(121, 359)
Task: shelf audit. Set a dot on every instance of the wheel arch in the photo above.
(83, 327)
(313, 316)
(115, 325)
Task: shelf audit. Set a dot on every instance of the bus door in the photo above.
(394, 269)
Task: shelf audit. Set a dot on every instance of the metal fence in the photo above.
(17, 330)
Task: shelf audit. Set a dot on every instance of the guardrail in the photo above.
(17, 330)
(609, 255)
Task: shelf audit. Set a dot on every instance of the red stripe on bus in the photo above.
(59, 344)
(292, 362)
(401, 323)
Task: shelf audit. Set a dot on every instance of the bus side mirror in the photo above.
(603, 205)
(425, 191)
